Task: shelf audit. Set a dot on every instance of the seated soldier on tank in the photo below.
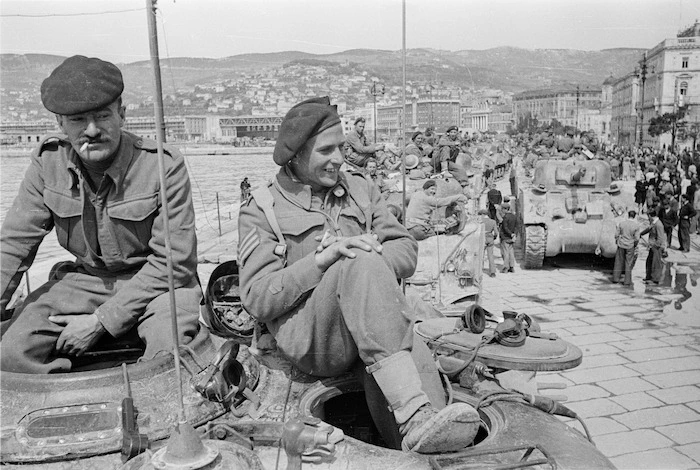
(357, 147)
(324, 282)
(98, 186)
(421, 150)
(445, 156)
(421, 208)
(373, 175)
(577, 153)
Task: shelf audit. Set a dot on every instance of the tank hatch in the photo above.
(542, 353)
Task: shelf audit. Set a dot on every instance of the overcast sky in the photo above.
(116, 30)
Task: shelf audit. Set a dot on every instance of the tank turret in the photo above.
(572, 206)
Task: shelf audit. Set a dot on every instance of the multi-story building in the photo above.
(672, 81)
(625, 96)
(563, 103)
(420, 114)
(500, 118)
(26, 132)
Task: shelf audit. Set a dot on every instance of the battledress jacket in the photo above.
(131, 235)
(272, 285)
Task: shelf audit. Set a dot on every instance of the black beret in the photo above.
(452, 128)
(429, 184)
(416, 134)
(302, 122)
(81, 84)
(360, 119)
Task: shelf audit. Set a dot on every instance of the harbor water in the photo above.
(209, 174)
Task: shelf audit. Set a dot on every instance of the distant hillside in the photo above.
(506, 68)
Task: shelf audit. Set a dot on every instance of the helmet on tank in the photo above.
(223, 311)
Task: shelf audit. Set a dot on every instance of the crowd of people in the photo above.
(666, 182)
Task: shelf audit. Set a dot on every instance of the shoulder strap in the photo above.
(264, 200)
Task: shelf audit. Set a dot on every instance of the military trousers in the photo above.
(508, 254)
(357, 310)
(489, 256)
(28, 345)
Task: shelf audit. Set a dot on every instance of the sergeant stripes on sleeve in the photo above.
(248, 244)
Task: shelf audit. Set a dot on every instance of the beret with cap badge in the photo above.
(304, 121)
(81, 84)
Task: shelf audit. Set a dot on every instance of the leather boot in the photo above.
(424, 429)
(445, 169)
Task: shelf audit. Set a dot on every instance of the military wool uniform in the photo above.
(323, 321)
(117, 236)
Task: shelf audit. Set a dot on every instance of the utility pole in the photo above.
(577, 102)
(377, 89)
(642, 74)
(429, 89)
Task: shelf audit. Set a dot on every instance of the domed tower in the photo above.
(606, 98)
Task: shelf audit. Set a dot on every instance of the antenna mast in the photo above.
(160, 138)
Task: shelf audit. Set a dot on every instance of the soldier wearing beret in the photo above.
(324, 282)
(98, 186)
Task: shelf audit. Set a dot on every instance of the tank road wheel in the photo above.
(535, 244)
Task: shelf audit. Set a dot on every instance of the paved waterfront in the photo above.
(637, 387)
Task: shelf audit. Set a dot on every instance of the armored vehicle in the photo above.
(571, 206)
(247, 407)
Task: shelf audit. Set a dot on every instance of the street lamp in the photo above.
(642, 74)
(376, 89)
(429, 90)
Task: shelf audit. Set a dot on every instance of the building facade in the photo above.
(623, 124)
(561, 103)
(672, 82)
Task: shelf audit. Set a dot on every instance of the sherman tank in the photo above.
(571, 206)
(245, 407)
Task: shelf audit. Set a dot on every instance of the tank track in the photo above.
(535, 244)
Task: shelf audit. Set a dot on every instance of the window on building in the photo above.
(684, 63)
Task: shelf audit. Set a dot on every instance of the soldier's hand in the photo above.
(332, 248)
(80, 333)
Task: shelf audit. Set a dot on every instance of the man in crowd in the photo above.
(494, 198)
(668, 216)
(657, 247)
(627, 238)
(324, 281)
(98, 186)
(566, 142)
(507, 233)
(357, 147)
(685, 215)
(444, 160)
(491, 232)
(421, 207)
